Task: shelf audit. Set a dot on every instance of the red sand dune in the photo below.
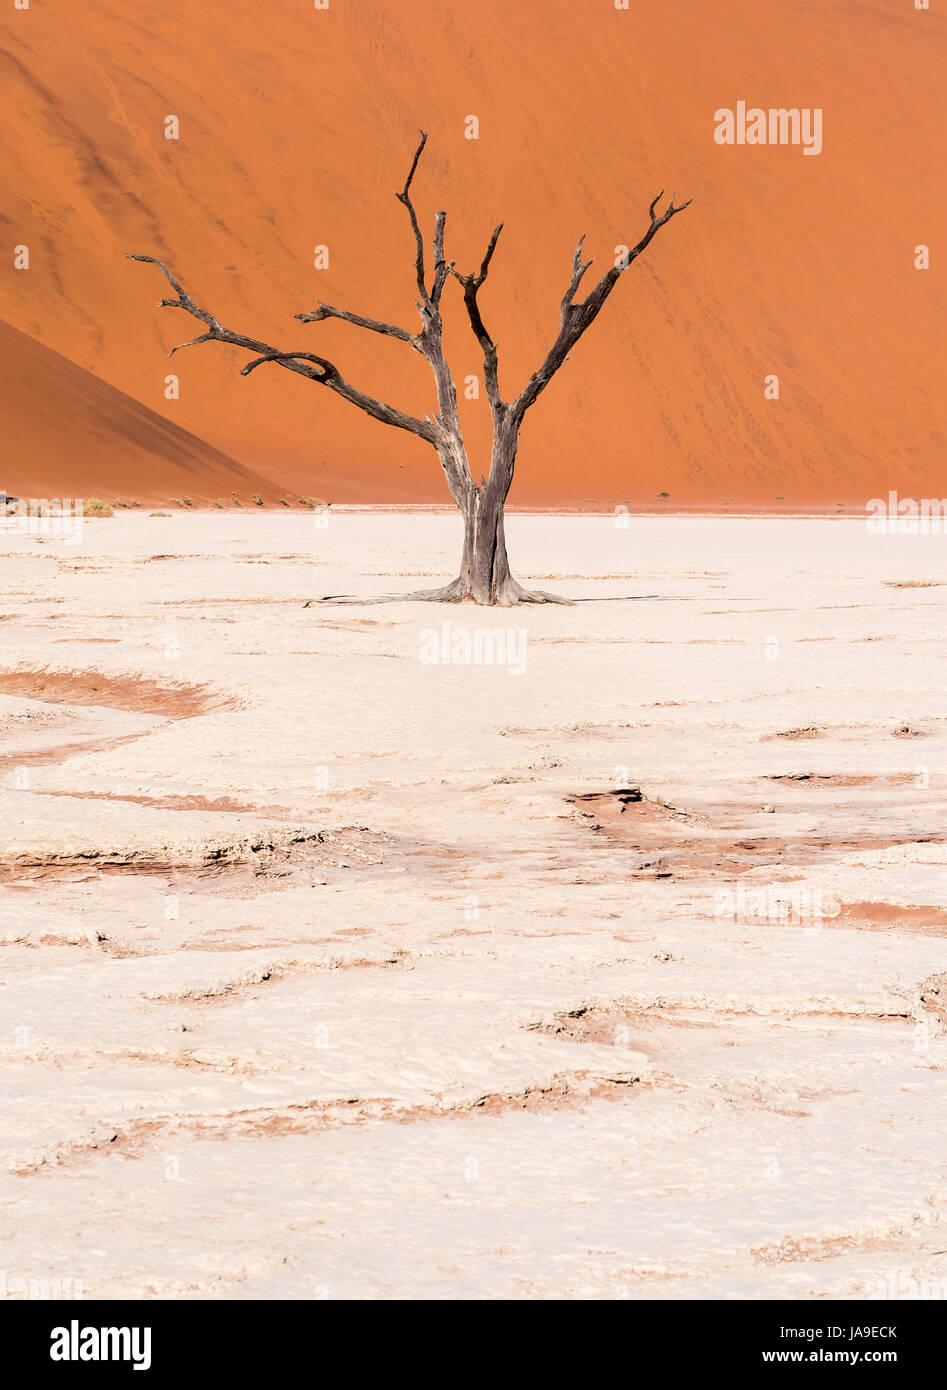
(295, 126)
(67, 434)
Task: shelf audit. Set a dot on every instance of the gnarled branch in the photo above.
(275, 356)
(303, 363)
(191, 342)
(442, 268)
(328, 311)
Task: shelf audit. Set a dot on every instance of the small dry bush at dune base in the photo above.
(94, 506)
(159, 513)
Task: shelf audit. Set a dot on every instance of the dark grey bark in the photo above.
(484, 576)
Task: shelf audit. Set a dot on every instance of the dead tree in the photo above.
(484, 570)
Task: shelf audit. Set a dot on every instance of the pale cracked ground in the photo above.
(316, 980)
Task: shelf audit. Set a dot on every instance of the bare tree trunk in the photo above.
(485, 576)
(489, 573)
(485, 569)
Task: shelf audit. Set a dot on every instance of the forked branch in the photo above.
(579, 267)
(576, 316)
(471, 286)
(404, 197)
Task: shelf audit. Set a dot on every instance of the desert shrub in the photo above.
(94, 506)
(257, 499)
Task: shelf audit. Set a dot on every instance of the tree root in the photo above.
(511, 595)
(514, 594)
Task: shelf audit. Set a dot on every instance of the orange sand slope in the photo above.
(295, 126)
(67, 434)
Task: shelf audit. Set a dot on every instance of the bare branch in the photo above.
(327, 367)
(656, 224)
(414, 164)
(488, 255)
(191, 342)
(579, 267)
(446, 425)
(404, 197)
(654, 203)
(471, 286)
(577, 316)
(303, 363)
(327, 311)
(441, 267)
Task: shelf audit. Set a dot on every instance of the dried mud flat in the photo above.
(328, 971)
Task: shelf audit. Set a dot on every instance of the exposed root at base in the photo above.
(457, 591)
(515, 594)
